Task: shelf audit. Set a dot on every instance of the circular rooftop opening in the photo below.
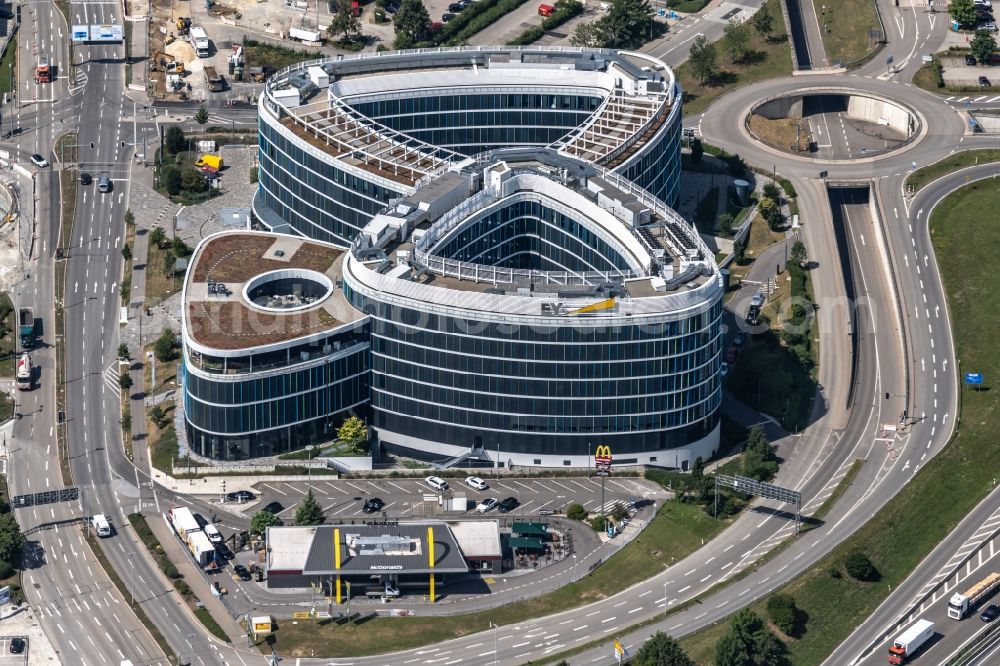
(833, 125)
(287, 290)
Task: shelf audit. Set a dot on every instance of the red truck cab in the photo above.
(545, 10)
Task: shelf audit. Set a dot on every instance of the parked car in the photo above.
(200, 519)
(374, 505)
(982, 3)
(436, 482)
(85, 178)
(724, 369)
(274, 507)
(476, 482)
(988, 27)
(39, 161)
(224, 551)
(984, 82)
(391, 9)
(447, 16)
(991, 613)
(242, 572)
(486, 504)
(732, 355)
(455, 7)
(240, 496)
(970, 60)
(508, 505)
(740, 339)
(17, 645)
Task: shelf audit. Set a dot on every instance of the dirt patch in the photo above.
(238, 258)
(232, 325)
(787, 134)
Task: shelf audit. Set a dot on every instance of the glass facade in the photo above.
(530, 235)
(545, 390)
(272, 412)
(475, 122)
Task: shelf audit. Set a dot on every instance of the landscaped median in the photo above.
(923, 176)
(949, 485)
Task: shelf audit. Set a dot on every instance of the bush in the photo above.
(576, 512)
(783, 613)
(859, 567)
(163, 348)
(170, 179)
(530, 35)
(193, 180)
(175, 140)
(170, 571)
(6, 570)
(599, 523)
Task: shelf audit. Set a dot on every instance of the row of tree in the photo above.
(703, 57)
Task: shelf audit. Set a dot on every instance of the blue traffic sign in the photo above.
(889, 60)
(973, 378)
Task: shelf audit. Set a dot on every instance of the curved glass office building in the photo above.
(474, 249)
(341, 138)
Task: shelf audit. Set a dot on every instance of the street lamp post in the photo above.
(494, 627)
(131, 583)
(574, 567)
(309, 469)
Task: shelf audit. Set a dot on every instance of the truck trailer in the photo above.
(25, 372)
(201, 549)
(962, 604)
(910, 641)
(302, 35)
(182, 520)
(199, 40)
(26, 320)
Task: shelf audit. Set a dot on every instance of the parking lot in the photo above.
(404, 498)
(8, 659)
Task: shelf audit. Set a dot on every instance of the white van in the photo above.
(101, 525)
(214, 535)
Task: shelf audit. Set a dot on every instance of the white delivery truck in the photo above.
(910, 641)
(101, 525)
(302, 35)
(199, 40)
(182, 520)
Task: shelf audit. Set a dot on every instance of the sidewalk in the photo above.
(196, 579)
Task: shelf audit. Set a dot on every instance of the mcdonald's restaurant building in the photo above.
(373, 559)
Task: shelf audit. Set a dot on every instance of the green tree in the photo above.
(771, 191)
(123, 353)
(703, 59)
(126, 252)
(576, 512)
(345, 22)
(739, 252)
(736, 39)
(589, 34)
(726, 222)
(661, 650)
(783, 613)
(798, 253)
(309, 511)
(158, 417)
(125, 381)
(766, 207)
(262, 520)
(175, 140)
(129, 217)
(164, 346)
(201, 117)
(983, 45)
(627, 24)
(599, 523)
(170, 179)
(353, 431)
(963, 11)
(859, 567)
(157, 236)
(11, 539)
(193, 180)
(619, 512)
(126, 420)
(763, 22)
(412, 24)
(748, 643)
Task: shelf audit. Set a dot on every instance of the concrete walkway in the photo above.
(196, 579)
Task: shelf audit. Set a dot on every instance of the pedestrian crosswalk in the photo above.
(982, 99)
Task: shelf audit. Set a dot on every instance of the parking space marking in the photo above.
(267, 485)
(335, 487)
(398, 486)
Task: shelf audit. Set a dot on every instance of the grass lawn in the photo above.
(846, 38)
(676, 531)
(774, 59)
(160, 284)
(258, 54)
(8, 67)
(687, 6)
(965, 158)
(949, 485)
(166, 373)
(761, 237)
(163, 450)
